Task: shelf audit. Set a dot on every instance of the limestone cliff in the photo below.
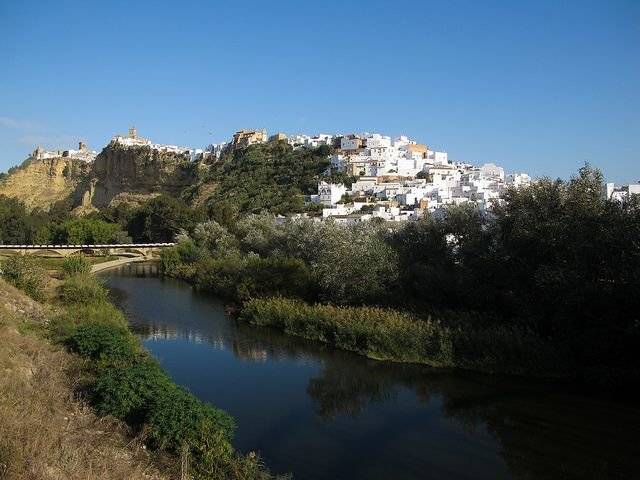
(40, 183)
(134, 174)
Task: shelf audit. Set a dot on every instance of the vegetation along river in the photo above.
(320, 413)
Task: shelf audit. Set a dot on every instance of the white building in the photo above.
(492, 171)
(330, 193)
(133, 140)
(83, 153)
(518, 180)
(623, 192)
(350, 142)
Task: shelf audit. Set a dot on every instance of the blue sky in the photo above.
(539, 86)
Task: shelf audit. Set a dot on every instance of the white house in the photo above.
(330, 193)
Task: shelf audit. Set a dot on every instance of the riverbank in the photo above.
(365, 418)
(120, 381)
(385, 334)
(47, 431)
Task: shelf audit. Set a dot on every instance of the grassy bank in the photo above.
(386, 334)
(125, 385)
(47, 431)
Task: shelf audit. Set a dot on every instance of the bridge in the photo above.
(122, 249)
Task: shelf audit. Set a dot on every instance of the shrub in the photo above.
(127, 392)
(242, 277)
(169, 260)
(63, 325)
(141, 393)
(75, 265)
(24, 274)
(101, 341)
(83, 289)
(178, 418)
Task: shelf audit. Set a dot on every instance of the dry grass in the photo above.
(45, 432)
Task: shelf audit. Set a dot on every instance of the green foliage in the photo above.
(24, 273)
(240, 277)
(127, 391)
(161, 219)
(84, 231)
(556, 259)
(19, 226)
(214, 238)
(178, 418)
(64, 324)
(84, 289)
(169, 260)
(76, 265)
(100, 341)
(387, 334)
(270, 176)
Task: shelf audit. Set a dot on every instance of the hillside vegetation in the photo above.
(271, 176)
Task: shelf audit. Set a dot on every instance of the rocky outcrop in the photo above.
(41, 183)
(134, 174)
(119, 174)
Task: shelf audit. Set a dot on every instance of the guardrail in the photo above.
(115, 245)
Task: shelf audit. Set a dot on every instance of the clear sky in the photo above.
(539, 86)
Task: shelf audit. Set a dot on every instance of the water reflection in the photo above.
(136, 269)
(323, 413)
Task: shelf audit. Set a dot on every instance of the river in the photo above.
(320, 413)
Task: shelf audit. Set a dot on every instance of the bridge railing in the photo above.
(96, 246)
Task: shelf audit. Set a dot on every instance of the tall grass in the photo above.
(386, 334)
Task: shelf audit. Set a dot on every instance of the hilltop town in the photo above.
(379, 176)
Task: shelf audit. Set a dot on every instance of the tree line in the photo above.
(556, 258)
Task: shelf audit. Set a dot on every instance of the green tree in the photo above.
(161, 219)
(81, 231)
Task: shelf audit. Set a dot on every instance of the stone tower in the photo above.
(133, 133)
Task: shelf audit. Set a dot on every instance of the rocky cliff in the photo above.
(40, 183)
(133, 174)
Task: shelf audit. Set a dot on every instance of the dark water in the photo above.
(324, 414)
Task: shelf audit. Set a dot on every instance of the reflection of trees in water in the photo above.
(542, 433)
(339, 391)
(136, 269)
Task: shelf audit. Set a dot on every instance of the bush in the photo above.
(63, 325)
(83, 289)
(178, 418)
(240, 278)
(23, 273)
(101, 341)
(76, 265)
(141, 393)
(127, 392)
(169, 260)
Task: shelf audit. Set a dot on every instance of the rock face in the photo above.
(134, 174)
(41, 183)
(119, 174)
